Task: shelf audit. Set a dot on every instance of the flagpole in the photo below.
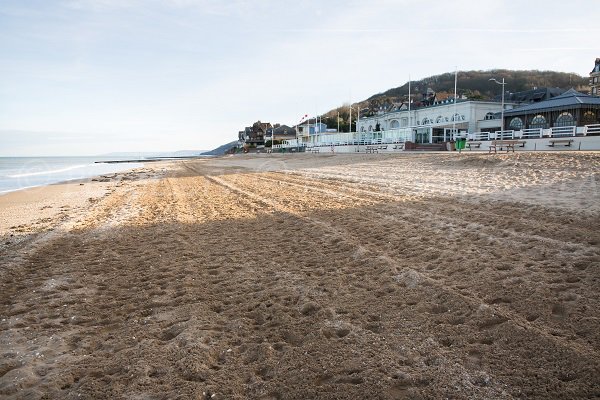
(409, 116)
(454, 116)
(350, 128)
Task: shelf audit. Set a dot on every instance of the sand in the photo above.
(412, 276)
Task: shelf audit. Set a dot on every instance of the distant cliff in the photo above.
(219, 151)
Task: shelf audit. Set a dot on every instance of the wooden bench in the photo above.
(502, 144)
(470, 145)
(372, 149)
(564, 142)
(509, 145)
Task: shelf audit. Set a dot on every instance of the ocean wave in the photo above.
(50, 172)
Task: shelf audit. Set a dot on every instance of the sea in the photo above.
(17, 173)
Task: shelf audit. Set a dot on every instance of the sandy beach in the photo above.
(380, 276)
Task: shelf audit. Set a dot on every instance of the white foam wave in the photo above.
(54, 171)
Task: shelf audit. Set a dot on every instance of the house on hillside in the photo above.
(595, 79)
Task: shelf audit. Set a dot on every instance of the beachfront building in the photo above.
(435, 122)
(309, 133)
(595, 79)
(254, 136)
(308, 128)
(280, 133)
(570, 109)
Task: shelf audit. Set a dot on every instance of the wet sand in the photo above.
(468, 276)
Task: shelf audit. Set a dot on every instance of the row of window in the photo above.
(564, 119)
(395, 124)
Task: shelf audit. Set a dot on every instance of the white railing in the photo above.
(559, 131)
(406, 134)
(593, 129)
(531, 133)
(362, 138)
(504, 135)
(479, 136)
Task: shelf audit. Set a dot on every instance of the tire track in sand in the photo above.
(505, 314)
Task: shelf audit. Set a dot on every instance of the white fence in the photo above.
(358, 138)
(538, 133)
(559, 131)
(532, 133)
(591, 129)
(409, 134)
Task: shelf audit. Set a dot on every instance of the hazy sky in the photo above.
(83, 77)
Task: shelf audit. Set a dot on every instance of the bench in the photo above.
(398, 146)
(470, 145)
(314, 150)
(372, 149)
(509, 145)
(383, 147)
(501, 145)
(564, 142)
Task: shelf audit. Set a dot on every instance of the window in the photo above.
(565, 119)
(538, 122)
(404, 122)
(489, 116)
(516, 124)
(370, 128)
(589, 118)
(394, 124)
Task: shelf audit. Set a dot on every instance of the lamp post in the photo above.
(502, 113)
(357, 121)
(272, 138)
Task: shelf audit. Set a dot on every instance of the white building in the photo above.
(442, 117)
(307, 128)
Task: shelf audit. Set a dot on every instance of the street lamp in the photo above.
(272, 138)
(357, 121)
(502, 115)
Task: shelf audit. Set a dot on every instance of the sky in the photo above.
(86, 77)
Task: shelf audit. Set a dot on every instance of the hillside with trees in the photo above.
(474, 85)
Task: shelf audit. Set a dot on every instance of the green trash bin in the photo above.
(460, 144)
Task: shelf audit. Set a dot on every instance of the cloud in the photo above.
(100, 5)
(197, 71)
